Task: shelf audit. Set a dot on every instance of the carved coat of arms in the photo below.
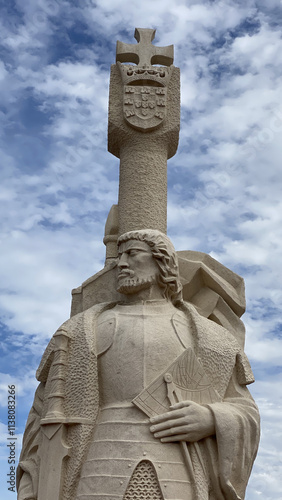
(144, 107)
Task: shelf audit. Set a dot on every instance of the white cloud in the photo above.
(58, 181)
(259, 51)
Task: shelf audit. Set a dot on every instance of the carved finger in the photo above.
(169, 424)
(172, 439)
(181, 429)
(182, 404)
(173, 414)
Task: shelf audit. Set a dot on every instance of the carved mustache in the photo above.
(126, 273)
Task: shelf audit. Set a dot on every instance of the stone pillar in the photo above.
(111, 235)
(143, 131)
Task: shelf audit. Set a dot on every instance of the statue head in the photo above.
(148, 257)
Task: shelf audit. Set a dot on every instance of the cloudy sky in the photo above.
(58, 181)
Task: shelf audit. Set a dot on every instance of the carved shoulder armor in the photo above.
(106, 326)
(182, 327)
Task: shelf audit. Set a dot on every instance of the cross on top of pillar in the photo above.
(144, 53)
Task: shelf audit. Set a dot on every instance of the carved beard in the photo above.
(134, 285)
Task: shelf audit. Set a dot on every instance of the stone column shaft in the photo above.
(143, 185)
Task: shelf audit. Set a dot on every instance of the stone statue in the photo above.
(143, 394)
(117, 350)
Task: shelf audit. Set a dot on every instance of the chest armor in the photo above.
(136, 343)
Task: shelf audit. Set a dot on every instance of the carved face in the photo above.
(137, 268)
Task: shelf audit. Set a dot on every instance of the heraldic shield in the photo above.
(144, 107)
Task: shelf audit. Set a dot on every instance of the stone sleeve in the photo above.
(237, 437)
(27, 471)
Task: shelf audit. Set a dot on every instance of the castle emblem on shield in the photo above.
(144, 107)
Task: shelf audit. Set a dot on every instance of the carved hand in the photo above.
(187, 421)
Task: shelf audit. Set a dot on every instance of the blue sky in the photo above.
(58, 181)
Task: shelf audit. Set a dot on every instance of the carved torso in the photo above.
(135, 344)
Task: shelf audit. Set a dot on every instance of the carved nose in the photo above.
(122, 263)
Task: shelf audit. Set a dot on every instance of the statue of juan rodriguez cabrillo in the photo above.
(142, 391)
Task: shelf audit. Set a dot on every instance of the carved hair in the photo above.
(165, 255)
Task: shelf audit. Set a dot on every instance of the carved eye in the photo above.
(133, 252)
